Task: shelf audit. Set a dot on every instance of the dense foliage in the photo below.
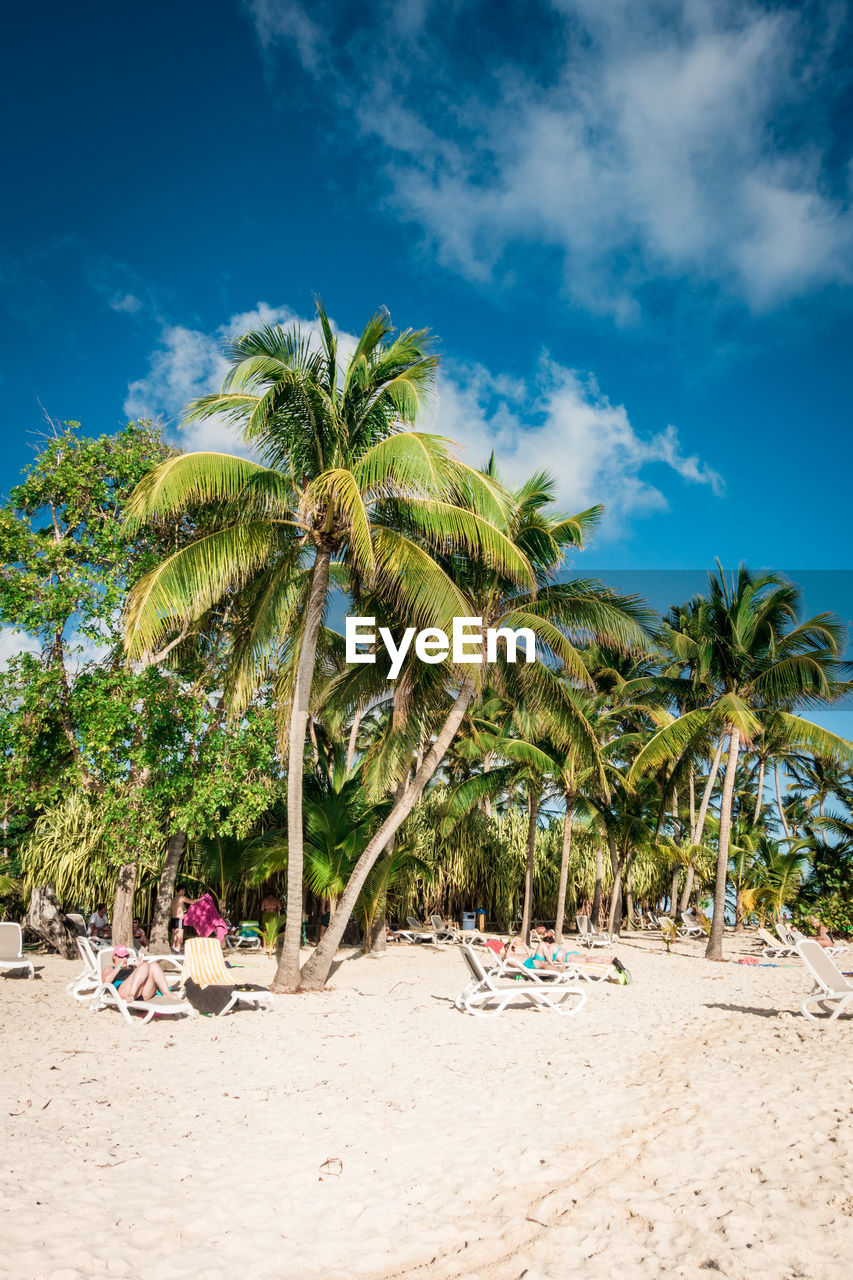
(182, 681)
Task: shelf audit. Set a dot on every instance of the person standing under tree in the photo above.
(177, 911)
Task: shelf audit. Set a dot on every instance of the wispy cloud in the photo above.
(561, 422)
(558, 420)
(189, 363)
(641, 139)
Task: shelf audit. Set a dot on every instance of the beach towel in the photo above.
(204, 917)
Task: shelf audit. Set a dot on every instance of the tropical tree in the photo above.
(757, 656)
(559, 614)
(343, 494)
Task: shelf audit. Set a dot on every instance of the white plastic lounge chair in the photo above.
(109, 997)
(486, 987)
(441, 931)
(511, 966)
(78, 922)
(785, 936)
(415, 931)
(773, 949)
(204, 963)
(12, 950)
(831, 986)
(247, 937)
(84, 986)
(795, 936)
(690, 928)
(590, 936)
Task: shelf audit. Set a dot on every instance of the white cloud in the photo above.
(126, 303)
(653, 138)
(557, 420)
(562, 423)
(13, 642)
(189, 363)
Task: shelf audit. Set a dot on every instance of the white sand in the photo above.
(677, 1127)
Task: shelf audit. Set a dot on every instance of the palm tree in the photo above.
(557, 614)
(757, 656)
(538, 754)
(341, 477)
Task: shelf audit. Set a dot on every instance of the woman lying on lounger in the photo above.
(138, 980)
(527, 956)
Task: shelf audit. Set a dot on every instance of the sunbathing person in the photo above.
(517, 948)
(139, 934)
(136, 980)
(821, 936)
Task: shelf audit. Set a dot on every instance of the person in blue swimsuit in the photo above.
(138, 980)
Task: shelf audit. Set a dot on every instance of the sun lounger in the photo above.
(774, 950)
(246, 938)
(84, 986)
(204, 965)
(12, 950)
(590, 936)
(795, 936)
(831, 986)
(690, 928)
(441, 931)
(107, 996)
(488, 987)
(415, 931)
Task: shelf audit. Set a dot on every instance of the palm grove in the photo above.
(184, 702)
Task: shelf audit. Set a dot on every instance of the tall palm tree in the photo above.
(757, 656)
(328, 506)
(559, 614)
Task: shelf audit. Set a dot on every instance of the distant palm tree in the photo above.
(757, 656)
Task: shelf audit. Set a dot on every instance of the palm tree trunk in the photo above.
(487, 800)
(595, 911)
(159, 940)
(378, 940)
(564, 869)
(784, 820)
(614, 918)
(698, 827)
(527, 910)
(353, 735)
(123, 905)
(684, 900)
(714, 950)
(757, 813)
(287, 975)
(616, 892)
(696, 834)
(316, 968)
(674, 905)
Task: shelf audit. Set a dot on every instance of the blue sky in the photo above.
(628, 222)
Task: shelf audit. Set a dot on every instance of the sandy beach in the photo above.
(691, 1122)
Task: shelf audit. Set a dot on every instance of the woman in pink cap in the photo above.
(138, 980)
